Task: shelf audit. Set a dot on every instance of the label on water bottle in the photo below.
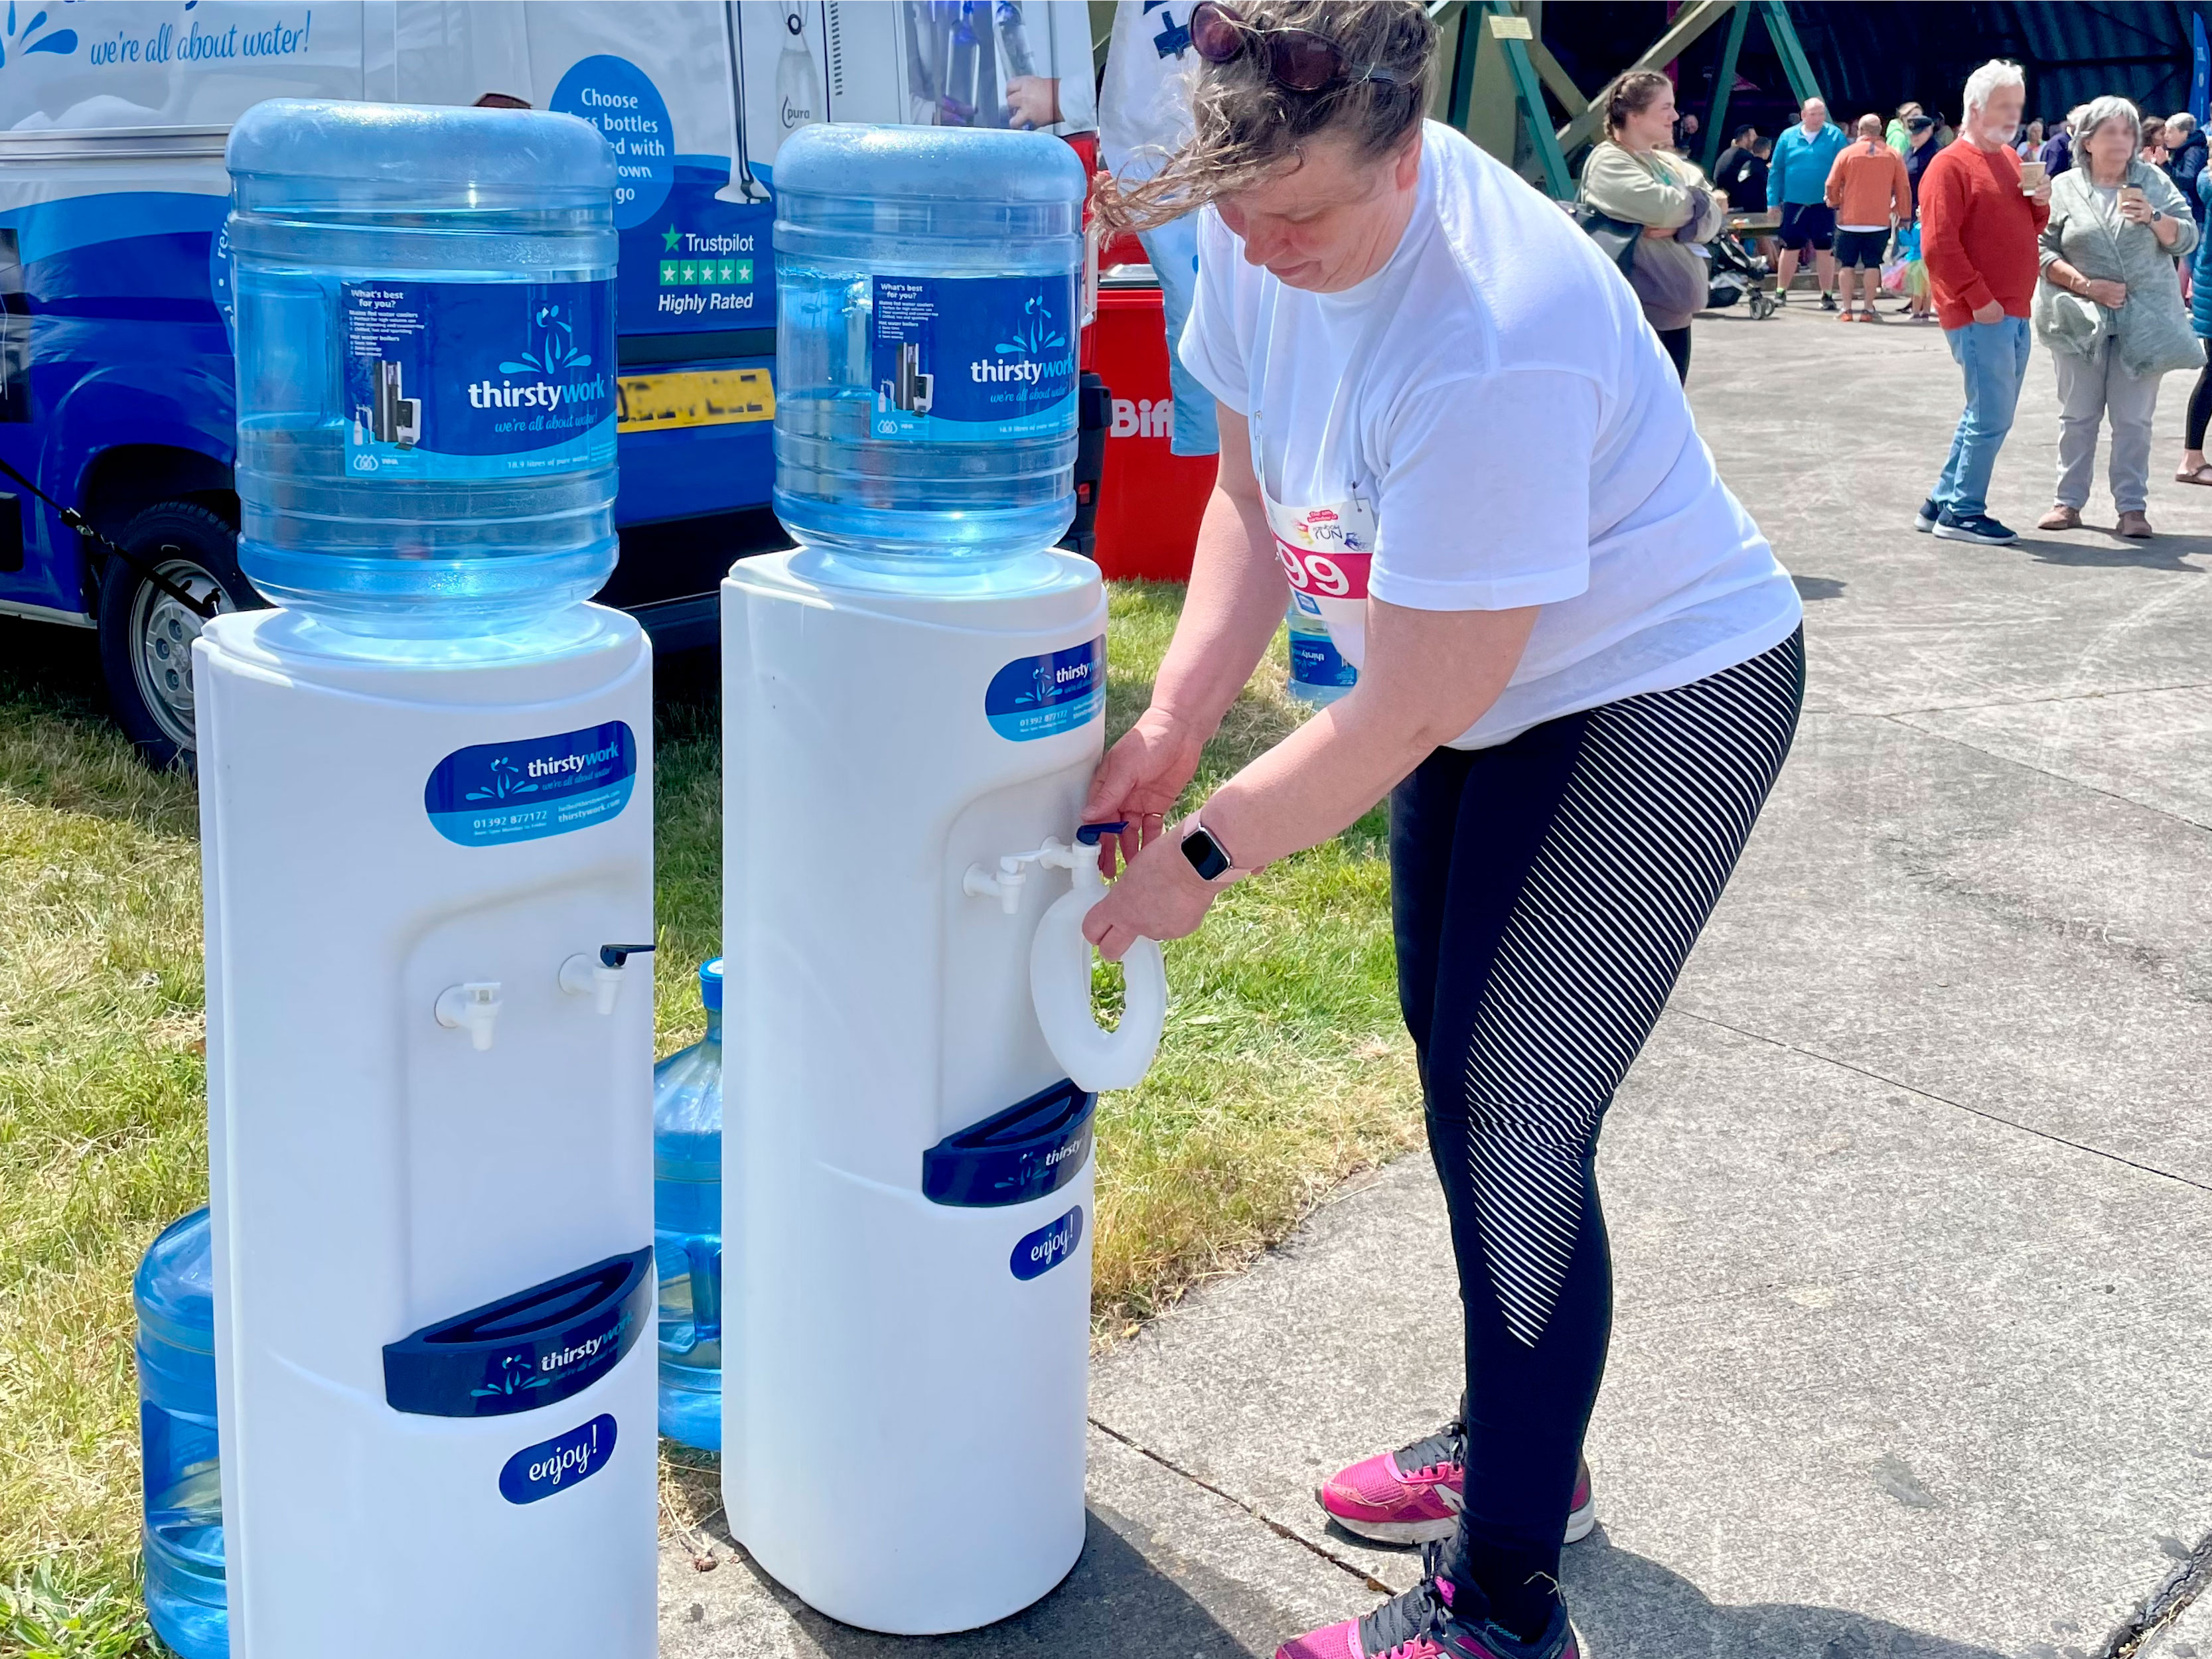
(1034, 698)
(477, 379)
(974, 359)
(492, 793)
(1316, 661)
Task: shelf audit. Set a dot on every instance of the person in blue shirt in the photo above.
(1797, 183)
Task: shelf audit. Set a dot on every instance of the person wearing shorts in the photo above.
(1797, 183)
(1871, 195)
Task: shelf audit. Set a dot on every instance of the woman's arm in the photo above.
(1236, 602)
(1237, 593)
(1619, 185)
(1428, 675)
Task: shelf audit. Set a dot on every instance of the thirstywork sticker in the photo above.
(1039, 696)
(492, 793)
(477, 379)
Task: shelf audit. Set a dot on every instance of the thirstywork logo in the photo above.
(22, 43)
(1036, 336)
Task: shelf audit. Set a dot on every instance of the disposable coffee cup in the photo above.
(2031, 176)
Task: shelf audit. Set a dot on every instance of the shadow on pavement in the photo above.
(1630, 1608)
(1114, 1603)
(2160, 553)
(1812, 588)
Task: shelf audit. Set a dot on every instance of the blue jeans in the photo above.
(1995, 358)
(1173, 249)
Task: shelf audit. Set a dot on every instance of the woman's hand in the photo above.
(1160, 896)
(1138, 784)
(2135, 208)
(2110, 294)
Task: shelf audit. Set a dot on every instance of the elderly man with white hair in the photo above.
(1979, 226)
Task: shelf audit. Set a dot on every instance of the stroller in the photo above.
(1737, 272)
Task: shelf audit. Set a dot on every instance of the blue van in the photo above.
(116, 372)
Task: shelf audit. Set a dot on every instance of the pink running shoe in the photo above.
(1421, 1625)
(1412, 1495)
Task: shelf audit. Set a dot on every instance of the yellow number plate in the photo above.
(698, 397)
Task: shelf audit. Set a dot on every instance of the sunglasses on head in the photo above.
(1299, 60)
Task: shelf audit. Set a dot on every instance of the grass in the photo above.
(1284, 1069)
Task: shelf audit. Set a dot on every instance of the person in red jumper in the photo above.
(1979, 226)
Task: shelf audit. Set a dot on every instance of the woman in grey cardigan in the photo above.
(2109, 307)
(1631, 177)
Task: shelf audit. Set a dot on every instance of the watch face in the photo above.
(1205, 855)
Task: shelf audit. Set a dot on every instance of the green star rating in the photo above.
(706, 273)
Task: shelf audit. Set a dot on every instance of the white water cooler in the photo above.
(429, 1056)
(911, 1068)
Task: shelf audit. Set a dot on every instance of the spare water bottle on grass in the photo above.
(174, 1292)
(687, 1227)
(426, 352)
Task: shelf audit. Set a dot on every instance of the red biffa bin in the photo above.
(1149, 500)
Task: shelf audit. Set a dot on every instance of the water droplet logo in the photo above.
(23, 42)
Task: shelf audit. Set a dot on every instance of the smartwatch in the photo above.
(1207, 856)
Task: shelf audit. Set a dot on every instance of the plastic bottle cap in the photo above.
(710, 985)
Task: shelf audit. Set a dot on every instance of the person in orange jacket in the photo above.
(1872, 195)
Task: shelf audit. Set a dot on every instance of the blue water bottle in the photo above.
(687, 1228)
(426, 363)
(927, 325)
(175, 1292)
(1319, 673)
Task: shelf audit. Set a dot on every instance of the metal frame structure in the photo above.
(1495, 36)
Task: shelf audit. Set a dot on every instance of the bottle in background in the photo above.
(174, 1294)
(687, 1228)
(1319, 674)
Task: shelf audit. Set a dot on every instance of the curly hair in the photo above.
(1246, 125)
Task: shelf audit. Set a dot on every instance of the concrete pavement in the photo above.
(1910, 1195)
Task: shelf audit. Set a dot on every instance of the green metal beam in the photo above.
(1556, 79)
(1794, 63)
(1514, 39)
(1722, 85)
(1446, 15)
(1463, 62)
(1692, 22)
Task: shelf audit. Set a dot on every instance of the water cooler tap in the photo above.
(599, 978)
(473, 1007)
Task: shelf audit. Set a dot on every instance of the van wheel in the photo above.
(146, 636)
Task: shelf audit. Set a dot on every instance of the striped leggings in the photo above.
(1547, 892)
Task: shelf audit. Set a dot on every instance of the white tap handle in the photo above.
(1060, 985)
(472, 1007)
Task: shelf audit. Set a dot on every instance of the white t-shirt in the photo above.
(1144, 99)
(1495, 395)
